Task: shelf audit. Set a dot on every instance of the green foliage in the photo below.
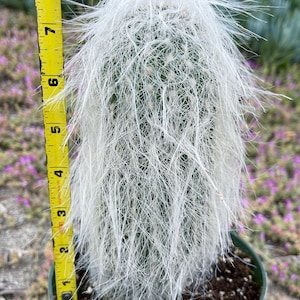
(277, 22)
(25, 5)
(71, 10)
(28, 6)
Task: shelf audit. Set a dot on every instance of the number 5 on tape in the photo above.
(52, 82)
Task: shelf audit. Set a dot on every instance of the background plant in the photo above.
(25, 5)
(273, 191)
(28, 6)
(22, 156)
(277, 22)
(24, 203)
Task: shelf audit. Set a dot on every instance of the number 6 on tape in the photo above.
(52, 82)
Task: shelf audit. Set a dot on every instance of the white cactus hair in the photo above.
(158, 92)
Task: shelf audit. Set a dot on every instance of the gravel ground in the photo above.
(22, 244)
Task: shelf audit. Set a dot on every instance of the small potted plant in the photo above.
(158, 92)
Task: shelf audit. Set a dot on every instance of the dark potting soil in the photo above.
(232, 280)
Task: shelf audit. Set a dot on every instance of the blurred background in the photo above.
(272, 189)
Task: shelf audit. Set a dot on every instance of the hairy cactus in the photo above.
(158, 92)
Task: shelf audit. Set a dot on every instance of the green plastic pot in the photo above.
(259, 275)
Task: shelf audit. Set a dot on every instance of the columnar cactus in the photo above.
(158, 92)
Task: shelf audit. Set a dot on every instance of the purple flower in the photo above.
(288, 218)
(26, 203)
(262, 236)
(8, 169)
(32, 170)
(262, 148)
(296, 173)
(288, 203)
(259, 219)
(28, 80)
(24, 160)
(16, 91)
(19, 199)
(272, 144)
(294, 277)
(286, 156)
(272, 172)
(241, 228)
(283, 171)
(20, 68)
(253, 64)
(277, 82)
(251, 179)
(3, 60)
(28, 83)
(249, 168)
(245, 202)
(296, 159)
(282, 276)
(291, 86)
(279, 135)
(271, 184)
(41, 131)
(289, 186)
(262, 199)
(251, 136)
(275, 269)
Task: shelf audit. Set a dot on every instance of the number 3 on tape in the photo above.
(52, 82)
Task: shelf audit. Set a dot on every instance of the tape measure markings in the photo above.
(52, 82)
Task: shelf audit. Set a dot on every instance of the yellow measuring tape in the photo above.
(49, 20)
